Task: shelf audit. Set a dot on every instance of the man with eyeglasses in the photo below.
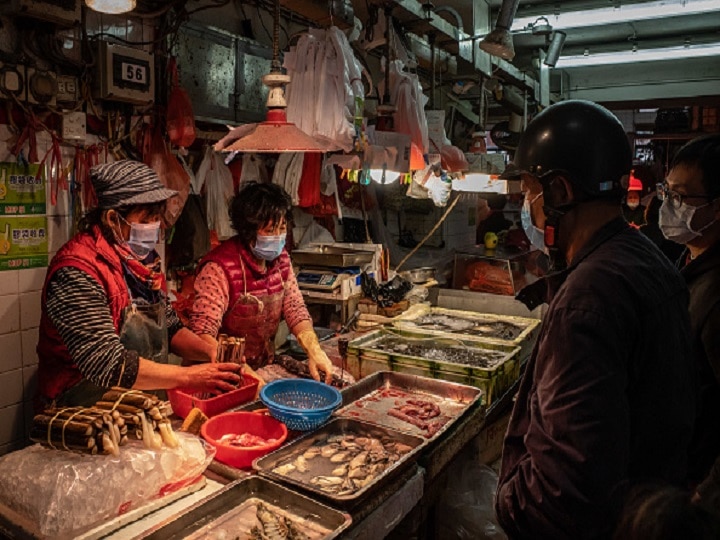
(608, 395)
(690, 215)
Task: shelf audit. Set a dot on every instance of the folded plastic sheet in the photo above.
(66, 494)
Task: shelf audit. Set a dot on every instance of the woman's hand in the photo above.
(317, 359)
(214, 377)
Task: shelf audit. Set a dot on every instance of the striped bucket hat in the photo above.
(127, 182)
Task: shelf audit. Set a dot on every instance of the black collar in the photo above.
(707, 260)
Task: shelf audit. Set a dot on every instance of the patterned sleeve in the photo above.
(77, 306)
(294, 308)
(212, 297)
(173, 322)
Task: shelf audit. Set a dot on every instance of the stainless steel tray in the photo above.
(230, 513)
(471, 325)
(371, 398)
(328, 255)
(321, 466)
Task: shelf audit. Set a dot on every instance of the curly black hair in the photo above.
(256, 205)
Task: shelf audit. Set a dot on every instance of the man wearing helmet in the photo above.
(607, 396)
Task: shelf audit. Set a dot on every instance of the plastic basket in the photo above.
(300, 404)
(182, 400)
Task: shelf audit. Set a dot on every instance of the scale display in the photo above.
(318, 280)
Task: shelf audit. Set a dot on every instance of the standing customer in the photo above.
(105, 320)
(247, 283)
(607, 395)
(690, 215)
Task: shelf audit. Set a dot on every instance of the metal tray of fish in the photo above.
(420, 406)
(488, 327)
(245, 508)
(342, 462)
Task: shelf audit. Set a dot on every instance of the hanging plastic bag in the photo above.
(218, 181)
(180, 117)
(171, 173)
(466, 509)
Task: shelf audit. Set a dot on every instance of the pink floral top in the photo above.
(212, 299)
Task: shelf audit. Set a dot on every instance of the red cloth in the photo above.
(91, 253)
(309, 187)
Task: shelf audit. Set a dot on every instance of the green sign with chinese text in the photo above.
(23, 242)
(22, 190)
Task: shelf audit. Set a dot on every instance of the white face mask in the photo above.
(676, 223)
(143, 237)
(534, 234)
(633, 205)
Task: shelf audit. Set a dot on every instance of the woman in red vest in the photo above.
(105, 319)
(247, 283)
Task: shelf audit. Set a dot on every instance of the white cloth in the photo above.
(325, 82)
(218, 190)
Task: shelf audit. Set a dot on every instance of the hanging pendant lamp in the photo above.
(276, 134)
(112, 7)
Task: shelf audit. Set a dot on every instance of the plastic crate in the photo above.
(183, 401)
(363, 360)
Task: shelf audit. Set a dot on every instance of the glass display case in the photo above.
(501, 271)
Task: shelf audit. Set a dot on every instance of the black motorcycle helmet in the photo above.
(581, 140)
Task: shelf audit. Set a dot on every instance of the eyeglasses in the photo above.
(676, 199)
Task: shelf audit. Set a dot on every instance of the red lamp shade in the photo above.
(276, 135)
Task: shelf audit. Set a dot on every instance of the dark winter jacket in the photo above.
(608, 393)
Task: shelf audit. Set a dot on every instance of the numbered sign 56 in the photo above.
(134, 73)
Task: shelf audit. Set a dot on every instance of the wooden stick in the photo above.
(71, 426)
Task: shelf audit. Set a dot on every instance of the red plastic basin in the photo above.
(183, 401)
(255, 423)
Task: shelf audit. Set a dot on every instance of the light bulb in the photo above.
(113, 7)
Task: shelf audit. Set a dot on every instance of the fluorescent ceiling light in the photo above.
(648, 55)
(659, 9)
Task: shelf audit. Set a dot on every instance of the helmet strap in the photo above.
(553, 217)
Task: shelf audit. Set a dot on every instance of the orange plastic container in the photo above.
(256, 423)
(183, 401)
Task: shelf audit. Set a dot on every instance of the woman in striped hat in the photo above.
(105, 319)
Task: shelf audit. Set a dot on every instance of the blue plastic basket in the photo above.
(300, 404)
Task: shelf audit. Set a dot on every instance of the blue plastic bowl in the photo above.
(300, 404)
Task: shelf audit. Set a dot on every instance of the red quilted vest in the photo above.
(244, 320)
(91, 253)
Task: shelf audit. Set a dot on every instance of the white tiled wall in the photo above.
(19, 320)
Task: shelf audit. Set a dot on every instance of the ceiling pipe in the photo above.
(499, 42)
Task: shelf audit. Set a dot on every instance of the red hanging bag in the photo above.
(180, 117)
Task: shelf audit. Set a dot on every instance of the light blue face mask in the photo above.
(268, 248)
(534, 234)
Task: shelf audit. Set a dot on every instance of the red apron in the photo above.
(255, 318)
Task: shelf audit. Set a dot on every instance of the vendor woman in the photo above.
(105, 320)
(247, 283)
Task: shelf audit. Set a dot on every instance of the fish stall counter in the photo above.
(425, 423)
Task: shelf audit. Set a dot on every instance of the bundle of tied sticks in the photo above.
(107, 425)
